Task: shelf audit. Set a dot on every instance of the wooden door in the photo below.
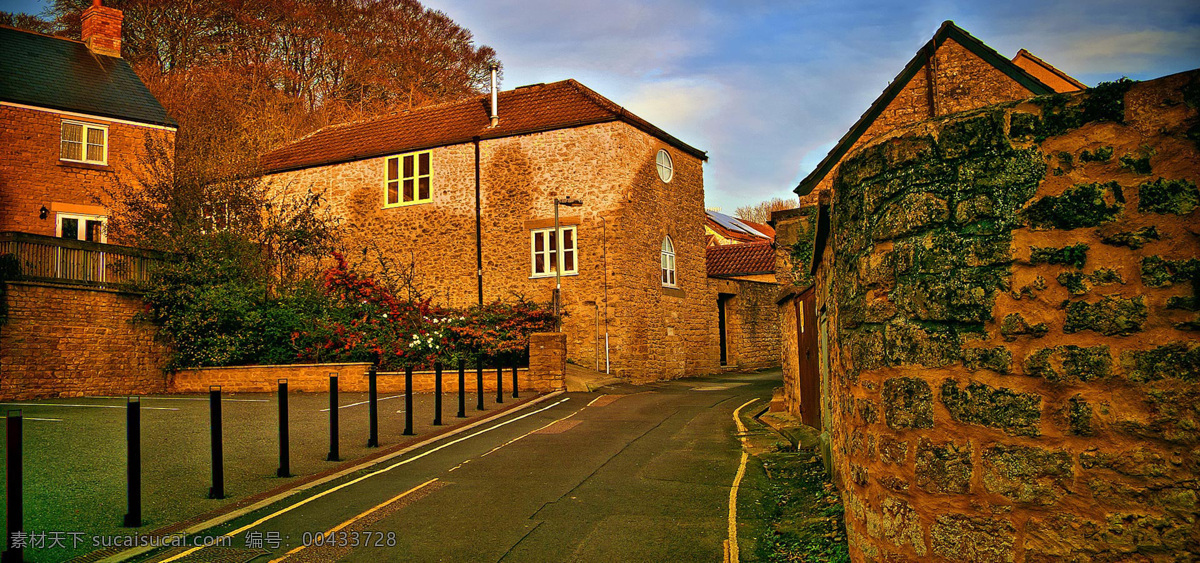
(807, 342)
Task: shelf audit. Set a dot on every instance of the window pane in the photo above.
(393, 192)
(424, 189)
(95, 152)
(70, 228)
(393, 169)
(664, 275)
(408, 166)
(424, 159)
(568, 260)
(72, 132)
(93, 230)
(539, 242)
(408, 190)
(569, 239)
(672, 273)
(72, 150)
(539, 263)
(95, 136)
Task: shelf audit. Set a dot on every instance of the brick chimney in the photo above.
(102, 29)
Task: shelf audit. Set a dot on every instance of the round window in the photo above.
(666, 169)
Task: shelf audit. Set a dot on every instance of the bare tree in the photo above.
(761, 212)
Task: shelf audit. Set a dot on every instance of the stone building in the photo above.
(953, 72)
(74, 121)
(468, 202)
(743, 278)
(1006, 311)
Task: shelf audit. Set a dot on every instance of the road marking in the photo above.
(596, 399)
(85, 406)
(332, 490)
(362, 515)
(43, 419)
(719, 387)
(533, 431)
(223, 400)
(731, 550)
(326, 409)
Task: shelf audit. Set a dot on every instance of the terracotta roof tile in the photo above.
(529, 109)
(740, 259)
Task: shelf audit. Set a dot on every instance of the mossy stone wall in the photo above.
(1015, 362)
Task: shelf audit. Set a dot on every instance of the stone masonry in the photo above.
(1014, 367)
(653, 332)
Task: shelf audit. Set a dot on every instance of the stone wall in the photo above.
(751, 322)
(60, 341)
(654, 332)
(1015, 370)
(32, 176)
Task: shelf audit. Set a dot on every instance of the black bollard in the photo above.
(516, 395)
(133, 462)
(479, 383)
(462, 388)
(218, 453)
(285, 456)
(333, 418)
(499, 382)
(408, 408)
(437, 394)
(373, 406)
(13, 487)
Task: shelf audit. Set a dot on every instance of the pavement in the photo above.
(74, 456)
(623, 473)
(580, 379)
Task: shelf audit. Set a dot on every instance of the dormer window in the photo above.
(84, 142)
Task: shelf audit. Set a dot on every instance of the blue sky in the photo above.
(767, 87)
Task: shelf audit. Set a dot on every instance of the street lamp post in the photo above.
(558, 256)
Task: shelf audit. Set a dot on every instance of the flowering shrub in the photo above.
(366, 321)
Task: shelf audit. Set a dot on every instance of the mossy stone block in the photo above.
(1014, 325)
(1111, 316)
(1168, 196)
(1079, 417)
(1073, 255)
(943, 468)
(1084, 205)
(1027, 474)
(998, 359)
(1174, 360)
(1017, 414)
(1133, 239)
(907, 403)
(1158, 272)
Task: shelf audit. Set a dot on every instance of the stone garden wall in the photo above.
(1015, 373)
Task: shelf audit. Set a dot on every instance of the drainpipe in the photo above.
(478, 228)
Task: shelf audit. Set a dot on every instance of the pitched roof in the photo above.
(1047, 73)
(736, 229)
(63, 74)
(529, 109)
(740, 259)
(947, 31)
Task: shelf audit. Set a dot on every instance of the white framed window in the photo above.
(666, 167)
(77, 226)
(407, 179)
(667, 263)
(548, 255)
(84, 142)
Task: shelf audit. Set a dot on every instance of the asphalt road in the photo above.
(628, 473)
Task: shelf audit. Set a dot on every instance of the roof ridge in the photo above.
(1053, 69)
(38, 33)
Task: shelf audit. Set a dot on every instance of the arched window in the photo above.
(668, 262)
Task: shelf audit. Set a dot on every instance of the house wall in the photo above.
(1015, 371)
(61, 341)
(32, 176)
(653, 332)
(751, 322)
(961, 81)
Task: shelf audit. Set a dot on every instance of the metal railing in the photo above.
(58, 260)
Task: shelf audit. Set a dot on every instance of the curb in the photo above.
(261, 500)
